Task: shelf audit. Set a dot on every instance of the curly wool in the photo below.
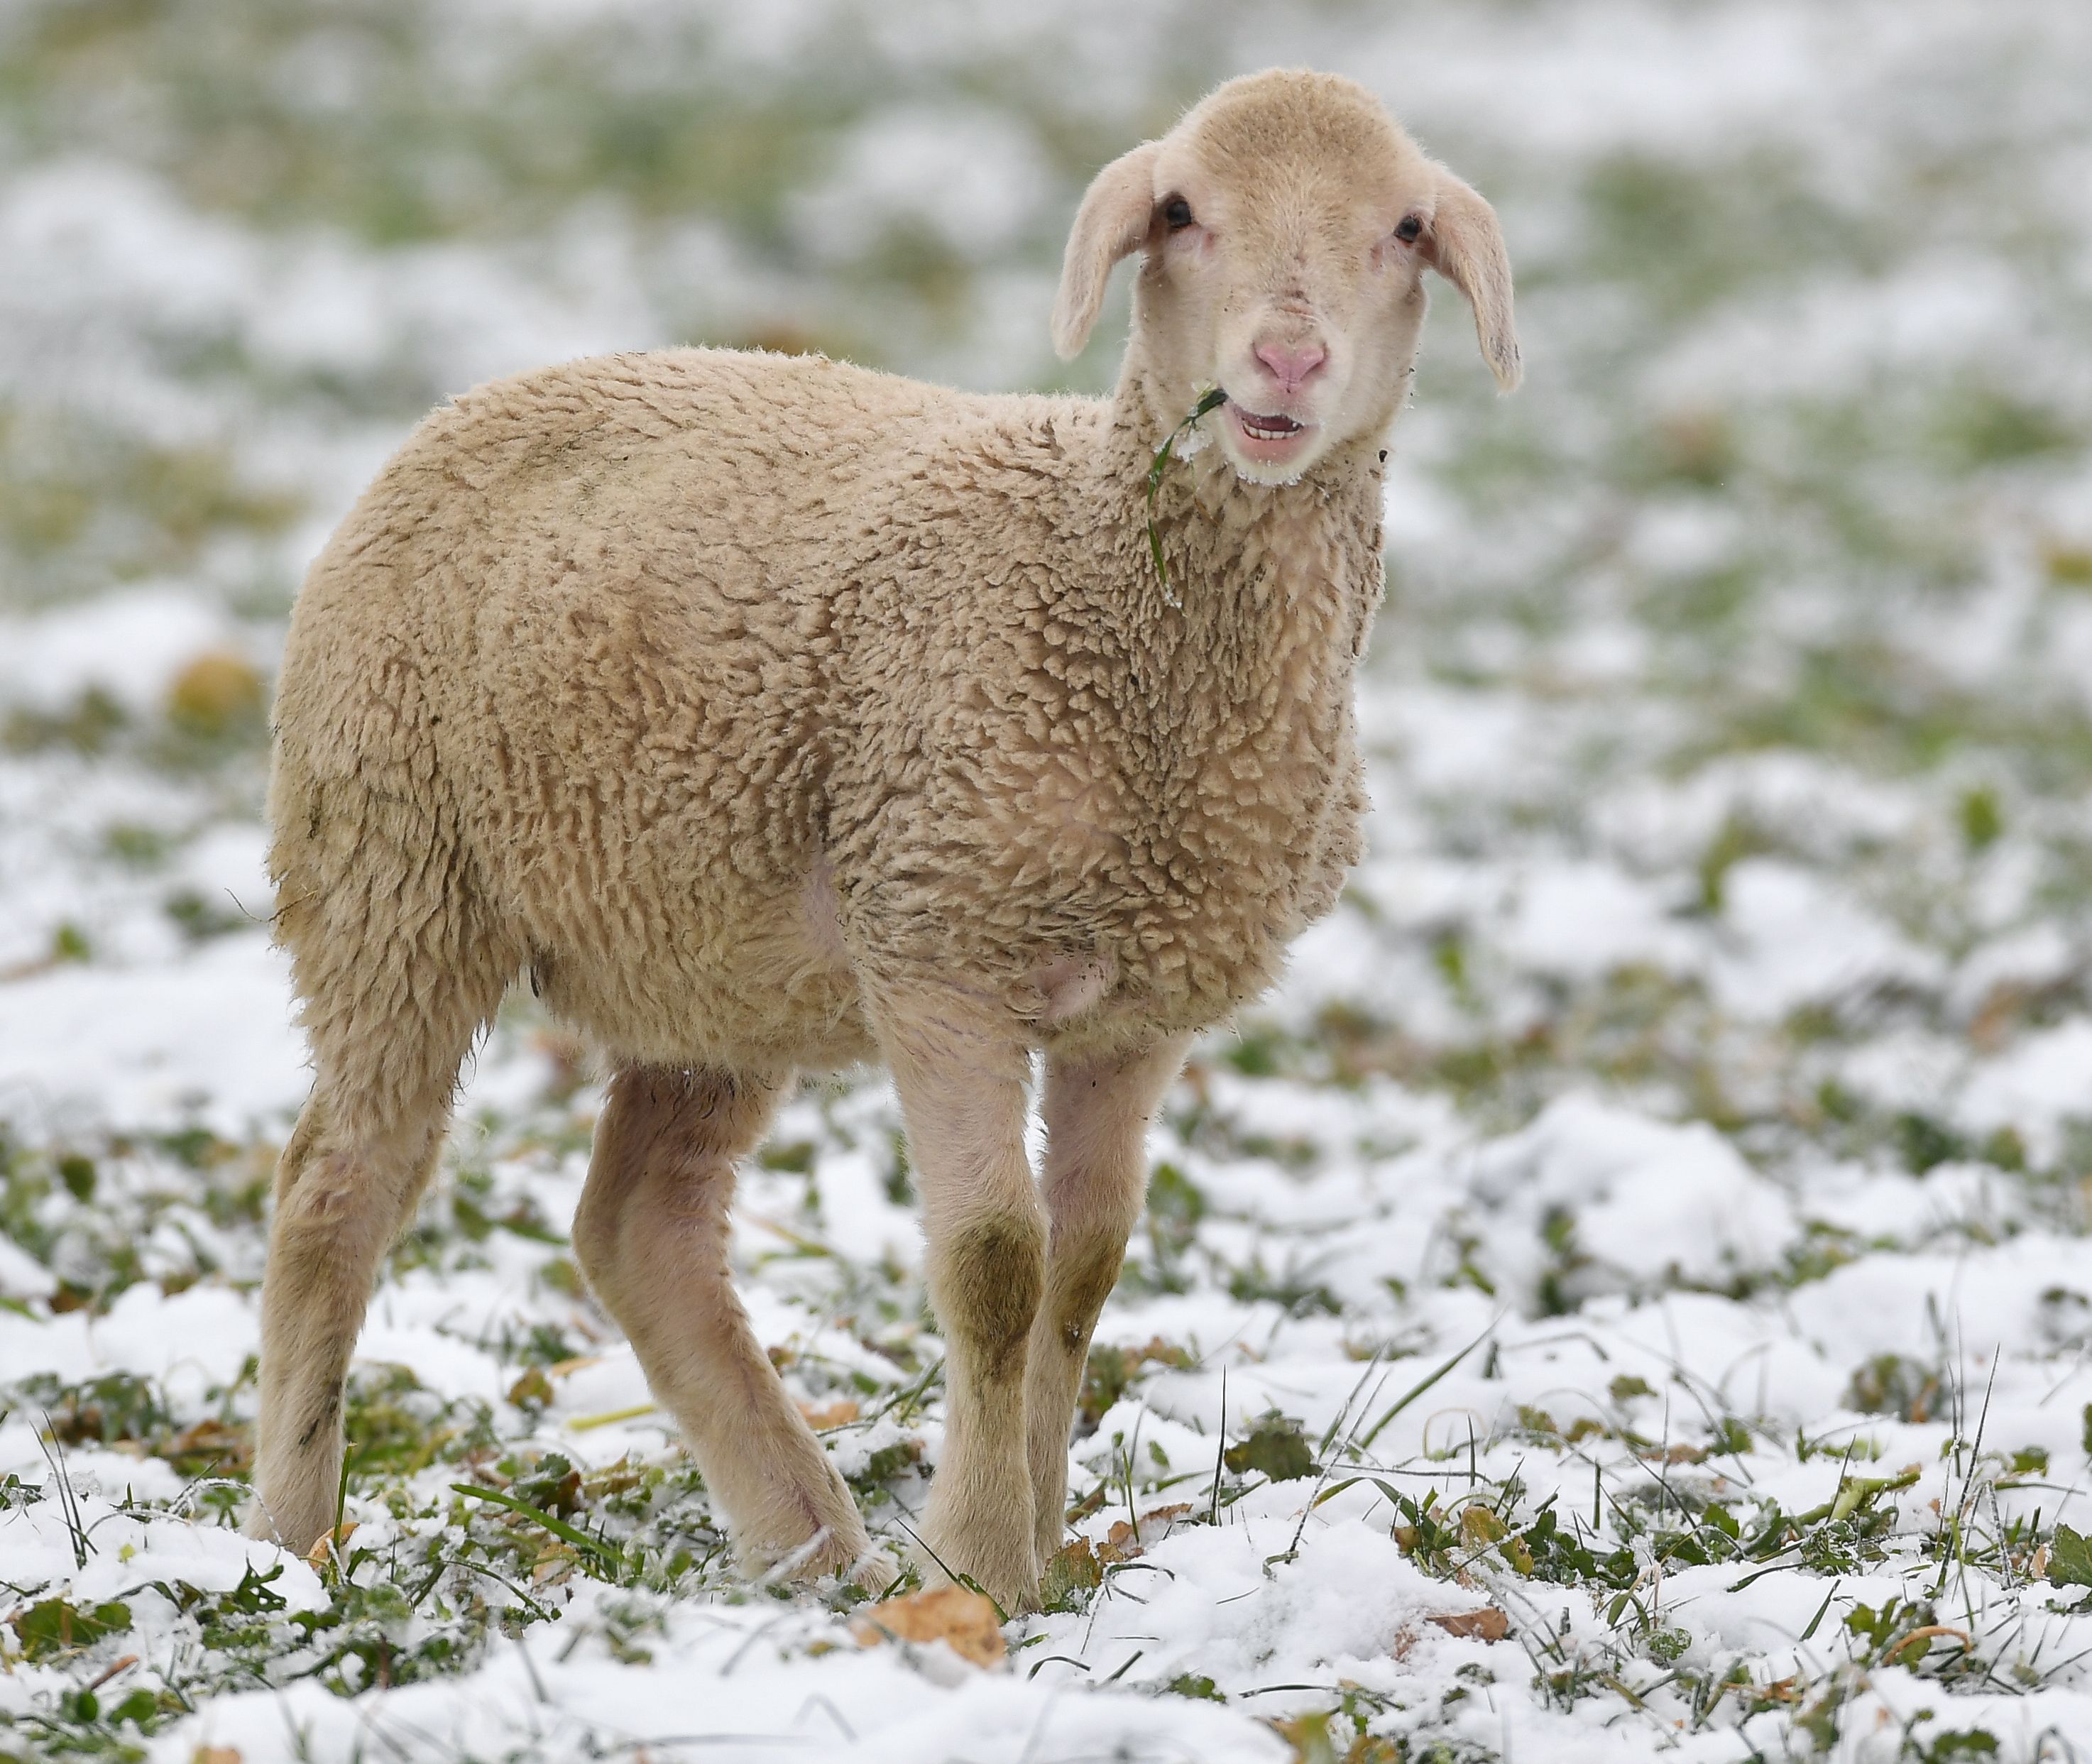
(705, 684)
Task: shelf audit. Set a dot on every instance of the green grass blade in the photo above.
(558, 1528)
(1417, 1390)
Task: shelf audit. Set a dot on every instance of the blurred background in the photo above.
(1732, 704)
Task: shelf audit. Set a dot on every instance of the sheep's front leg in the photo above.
(1097, 1111)
(961, 1081)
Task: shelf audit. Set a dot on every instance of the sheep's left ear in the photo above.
(1464, 244)
(1111, 224)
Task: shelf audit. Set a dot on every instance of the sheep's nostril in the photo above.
(1290, 367)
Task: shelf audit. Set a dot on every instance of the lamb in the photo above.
(773, 714)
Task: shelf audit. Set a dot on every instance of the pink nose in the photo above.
(1290, 367)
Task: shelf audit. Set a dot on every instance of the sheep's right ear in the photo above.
(1111, 224)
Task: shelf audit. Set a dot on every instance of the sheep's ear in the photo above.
(1466, 246)
(1111, 224)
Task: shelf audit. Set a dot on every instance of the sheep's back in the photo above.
(603, 605)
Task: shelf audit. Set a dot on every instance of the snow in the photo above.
(1678, 1137)
(206, 1035)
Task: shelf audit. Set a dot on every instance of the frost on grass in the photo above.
(1628, 1294)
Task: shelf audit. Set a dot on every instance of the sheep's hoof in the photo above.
(875, 1570)
(828, 1555)
(1015, 1588)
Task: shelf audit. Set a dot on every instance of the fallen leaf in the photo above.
(1478, 1526)
(965, 1621)
(1070, 1573)
(556, 1561)
(330, 1542)
(1125, 1541)
(229, 1446)
(1675, 1455)
(215, 1754)
(1487, 1624)
(821, 1417)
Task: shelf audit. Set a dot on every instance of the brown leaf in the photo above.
(1122, 1543)
(821, 1417)
(330, 1543)
(1681, 1454)
(965, 1621)
(227, 1447)
(215, 1754)
(1478, 1526)
(1125, 1541)
(1487, 1624)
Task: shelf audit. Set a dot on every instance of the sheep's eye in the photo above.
(1177, 214)
(1410, 226)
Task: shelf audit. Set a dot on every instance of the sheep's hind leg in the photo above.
(354, 1167)
(652, 1235)
(399, 965)
(962, 1090)
(1097, 1111)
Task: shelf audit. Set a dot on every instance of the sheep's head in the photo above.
(1287, 222)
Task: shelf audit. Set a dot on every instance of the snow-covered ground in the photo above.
(1628, 1294)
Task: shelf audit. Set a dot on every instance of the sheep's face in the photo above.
(1287, 222)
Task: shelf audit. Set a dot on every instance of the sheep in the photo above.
(773, 714)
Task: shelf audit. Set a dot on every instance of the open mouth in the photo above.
(1268, 440)
(1269, 428)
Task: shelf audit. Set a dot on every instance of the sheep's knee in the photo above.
(990, 1282)
(1084, 1272)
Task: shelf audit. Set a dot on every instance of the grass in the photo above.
(470, 1530)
